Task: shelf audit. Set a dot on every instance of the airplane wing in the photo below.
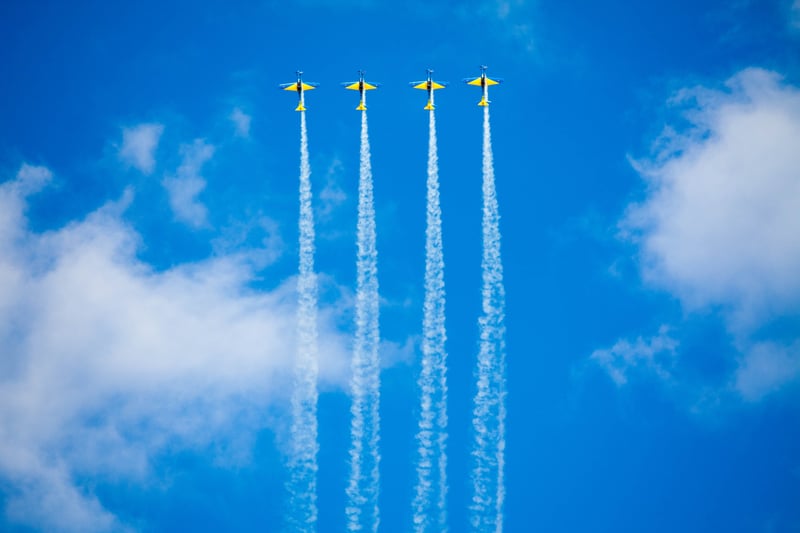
(353, 85)
(307, 86)
(477, 81)
(424, 85)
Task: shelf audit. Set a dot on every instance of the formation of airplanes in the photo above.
(362, 86)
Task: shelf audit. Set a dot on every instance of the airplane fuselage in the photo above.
(362, 94)
(362, 105)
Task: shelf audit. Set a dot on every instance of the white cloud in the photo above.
(184, 186)
(108, 364)
(241, 122)
(139, 144)
(30, 179)
(765, 368)
(256, 240)
(46, 498)
(719, 225)
(393, 353)
(654, 355)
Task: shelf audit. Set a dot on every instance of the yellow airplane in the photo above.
(430, 86)
(483, 81)
(301, 87)
(361, 86)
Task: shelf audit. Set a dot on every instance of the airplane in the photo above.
(301, 87)
(430, 86)
(361, 86)
(483, 81)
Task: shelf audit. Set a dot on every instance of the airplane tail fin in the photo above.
(429, 107)
(361, 107)
(484, 102)
(300, 107)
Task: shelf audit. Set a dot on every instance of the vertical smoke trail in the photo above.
(362, 490)
(430, 511)
(304, 445)
(489, 412)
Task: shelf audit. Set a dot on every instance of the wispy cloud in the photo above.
(241, 122)
(517, 21)
(257, 240)
(794, 15)
(330, 200)
(765, 368)
(132, 363)
(654, 356)
(186, 184)
(513, 19)
(331, 196)
(394, 353)
(718, 227)
(139, 144)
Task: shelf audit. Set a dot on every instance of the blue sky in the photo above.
(646, 157)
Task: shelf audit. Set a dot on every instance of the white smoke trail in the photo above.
(304, 444)
(432, 431)
(362, 490)
(489, 412)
